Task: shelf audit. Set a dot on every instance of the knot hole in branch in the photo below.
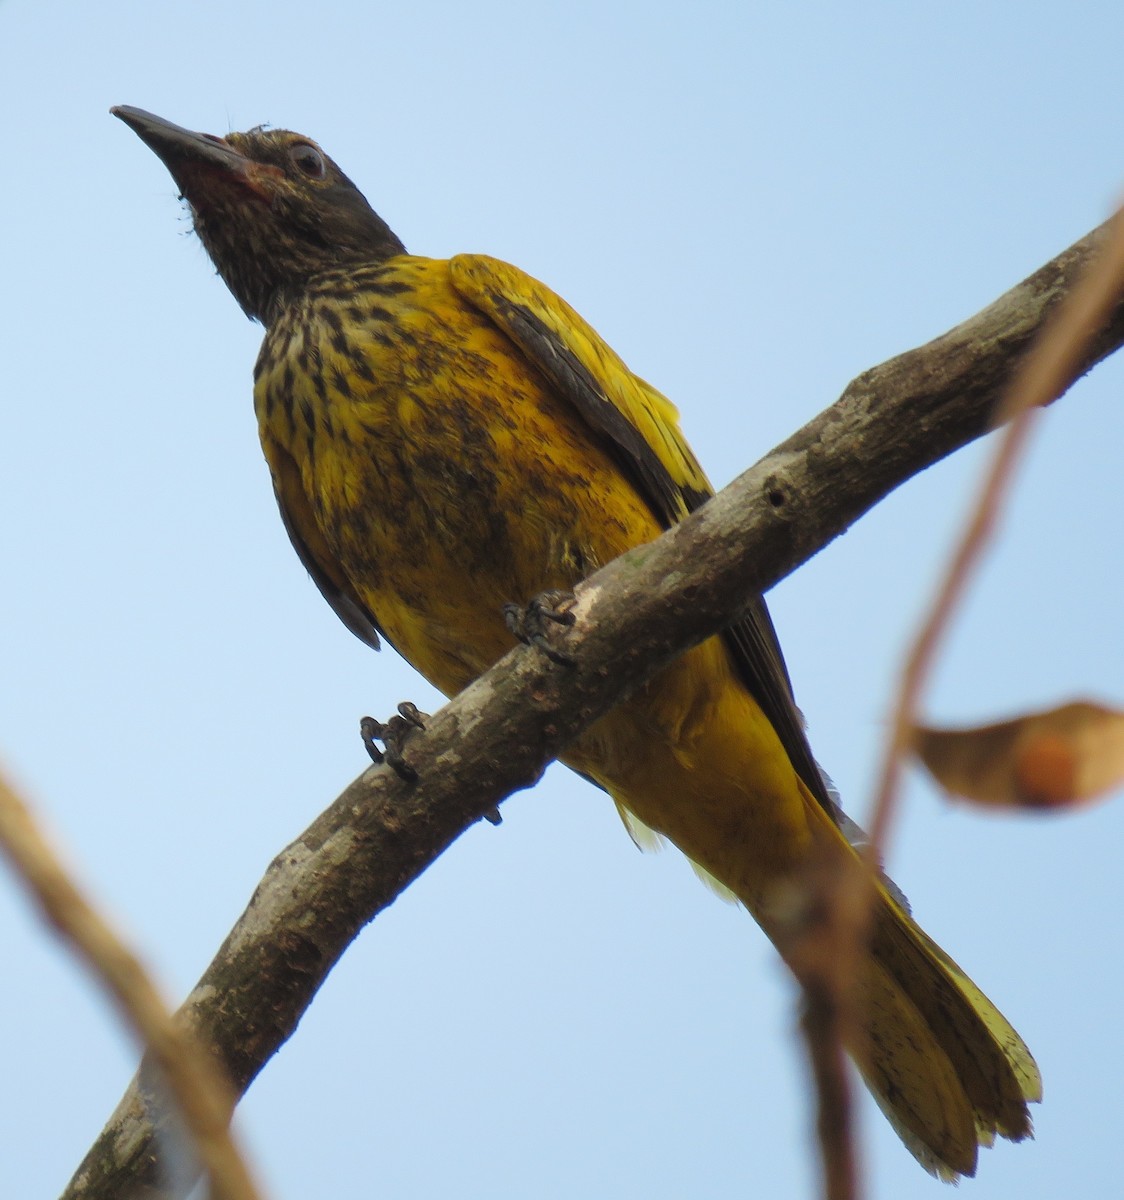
(777, 495)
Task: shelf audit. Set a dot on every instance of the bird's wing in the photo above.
(308, 541)
(642, 427)
(638, 423)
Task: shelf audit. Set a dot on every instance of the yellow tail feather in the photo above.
(943, 1063)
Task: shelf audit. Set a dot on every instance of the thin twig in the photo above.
(822, 948)
(1046, 372)
(204, 1099)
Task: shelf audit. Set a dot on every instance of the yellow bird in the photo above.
(446, 436)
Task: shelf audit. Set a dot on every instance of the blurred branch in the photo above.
(633, 617)
(1044, 374)
(190, 1079)
(821, 942)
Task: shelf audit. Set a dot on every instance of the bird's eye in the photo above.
(308, 160)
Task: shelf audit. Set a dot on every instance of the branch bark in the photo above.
(633, 617)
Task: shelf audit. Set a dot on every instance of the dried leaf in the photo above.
(1053, 759)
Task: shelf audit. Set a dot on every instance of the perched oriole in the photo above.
(445, 436)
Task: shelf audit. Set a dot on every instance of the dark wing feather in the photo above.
(641, 426)
(308, 541)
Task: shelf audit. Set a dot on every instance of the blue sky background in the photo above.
(752, 203)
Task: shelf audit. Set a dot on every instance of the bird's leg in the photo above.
(529, 624)
(393, 735)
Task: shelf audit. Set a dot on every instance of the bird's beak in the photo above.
(188, 155)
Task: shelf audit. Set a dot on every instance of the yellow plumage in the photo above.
(448, 436)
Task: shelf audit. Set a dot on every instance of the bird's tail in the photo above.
(944, 1064)
(941, 1060)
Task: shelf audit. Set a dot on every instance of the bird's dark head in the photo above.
(270, 206)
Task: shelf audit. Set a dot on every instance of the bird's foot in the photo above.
(393, 735)
(530, 624)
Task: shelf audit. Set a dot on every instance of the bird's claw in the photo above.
(393, 735)
(529, 624)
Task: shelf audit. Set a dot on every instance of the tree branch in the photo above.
(633, 617)
(200, 1092)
